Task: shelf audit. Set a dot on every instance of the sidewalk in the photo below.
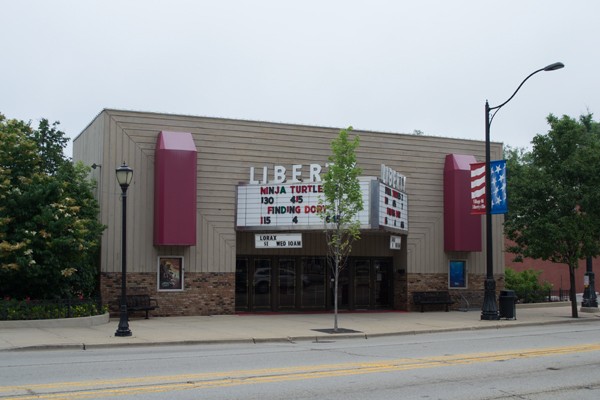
(255, 328)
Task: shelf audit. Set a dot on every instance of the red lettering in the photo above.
(314, 209)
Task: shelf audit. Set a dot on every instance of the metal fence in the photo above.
(544, 296)
(557, 295)
(49, 309)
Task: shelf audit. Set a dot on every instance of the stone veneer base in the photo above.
(203, 294)
(214, 293)
(470, 297)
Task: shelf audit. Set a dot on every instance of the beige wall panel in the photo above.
(226, 151)
(112, 200)
(139, 259)
(110, 194)
(89, 147)
(142, 233)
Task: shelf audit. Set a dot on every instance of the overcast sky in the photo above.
(392, 66)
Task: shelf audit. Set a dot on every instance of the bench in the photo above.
(432, 297)
(139, 302)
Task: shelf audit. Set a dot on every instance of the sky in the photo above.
(391, 66)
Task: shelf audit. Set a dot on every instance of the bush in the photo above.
(49, 228)
(11, 309)
(526, 285)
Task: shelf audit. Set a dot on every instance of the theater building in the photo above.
(223, 215)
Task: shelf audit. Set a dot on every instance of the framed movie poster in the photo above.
(457, 277)
(170, 273)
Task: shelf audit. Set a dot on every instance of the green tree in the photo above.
(554, 202)
(49, 232)
(342, 201)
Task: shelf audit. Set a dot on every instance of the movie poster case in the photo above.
(170, 273)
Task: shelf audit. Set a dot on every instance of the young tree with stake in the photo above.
(342, 201)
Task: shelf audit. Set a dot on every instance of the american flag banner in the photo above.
(498, 177)
(498, 186)
(478, 188)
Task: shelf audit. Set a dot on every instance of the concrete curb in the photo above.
(98, 332)
(96, 320)
(322, 338)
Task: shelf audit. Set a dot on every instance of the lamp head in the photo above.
(555, 66)
(124, 176)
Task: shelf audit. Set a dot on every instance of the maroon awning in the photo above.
(462, 230)
(175, 190)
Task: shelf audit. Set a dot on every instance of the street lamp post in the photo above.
(489, 310)
(124, 176)
(590, 300)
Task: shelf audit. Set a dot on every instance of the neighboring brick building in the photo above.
(556, 274)
(222, 215)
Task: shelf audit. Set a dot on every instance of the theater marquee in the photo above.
(290, 201)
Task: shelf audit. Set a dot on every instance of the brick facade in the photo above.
(400, 293)
(204, 294)
(471, 297)
(214, 293)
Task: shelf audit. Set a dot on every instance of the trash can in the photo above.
(508, 304)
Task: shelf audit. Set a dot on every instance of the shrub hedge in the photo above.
(11, 309)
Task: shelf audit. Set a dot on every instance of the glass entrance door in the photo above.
(304, 283)
(362, 284)
(261, 284)
(314, 272)
(241, 285)
(287, 284)
(383, 283)
(344, 289)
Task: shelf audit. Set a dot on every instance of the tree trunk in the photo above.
(572, 292)
(336, 274)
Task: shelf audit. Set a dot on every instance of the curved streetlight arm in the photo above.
(551, 67)
(489, 309)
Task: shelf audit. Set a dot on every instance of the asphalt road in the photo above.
(546, 362)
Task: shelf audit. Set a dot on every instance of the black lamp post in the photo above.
(590, 300)
(124, 177)
(489, 310)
